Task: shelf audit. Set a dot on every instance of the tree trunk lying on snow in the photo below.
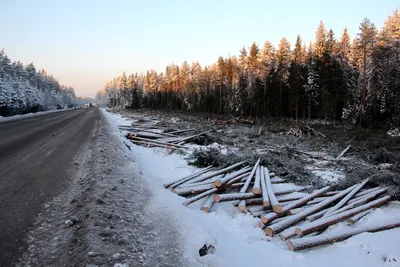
(357, 217)
(209, 192)
(309, 242)
(233, 196)
(324, 222)
(276, 206)
(208, 203)
(295, 204)
(186, 178)
(257, 182)
(135, 139)
(227, 178)
(242, 204)
(264, 191)
(278, 227)
(345, 199)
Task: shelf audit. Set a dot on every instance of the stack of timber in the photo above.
(149, 132)
(285, 210)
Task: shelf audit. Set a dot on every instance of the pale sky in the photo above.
(85, 43)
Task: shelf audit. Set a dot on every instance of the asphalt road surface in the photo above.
(35, 155)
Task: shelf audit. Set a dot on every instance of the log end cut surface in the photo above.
(290, 245)
(269, 231)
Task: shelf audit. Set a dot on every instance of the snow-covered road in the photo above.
(106, 217)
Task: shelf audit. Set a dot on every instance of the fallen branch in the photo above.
(343, 152)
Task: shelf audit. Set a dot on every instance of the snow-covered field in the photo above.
(236, 236)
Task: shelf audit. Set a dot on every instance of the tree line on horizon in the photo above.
(331, 78)
(23, 89)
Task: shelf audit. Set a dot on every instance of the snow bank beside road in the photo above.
(236, 236)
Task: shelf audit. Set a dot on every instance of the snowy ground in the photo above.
(236, 236)
(30, 115)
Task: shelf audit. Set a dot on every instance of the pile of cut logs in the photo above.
(282, 206)
(147, 132)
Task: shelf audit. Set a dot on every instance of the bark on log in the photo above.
(380, 190)
(288, 233)
(309, 242)
(144, 135)
(360, 201)
(295, 204)
(218, 172)
(208, 203)
(324, 222)
(180, 131)
(257, 185)
(345, 199)
(157, 142)
(264, 191)
(276, 180)
(189, 176)
(209, 192)
(152, 144)
(242, 204)
(220, 182)
(357, 217)
(148, 131)
(206, 182)
(276, 206)
(192, 136)
(278, 227)
(232, 196)
(365, 192)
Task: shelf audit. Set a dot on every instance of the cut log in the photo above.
(220, 182)
(295, 204)
(331, 193)
(309, 242)
(343, 152)
(186, 178)
(264, 191)
(206, 182)
(249, 202)
(179, 131)
(232, 196)
(209, 192)
(152, 144)
(257, 185)
(365, 192)
(316, 215)
(218, 172)
(276, 206)
(380, 190)
(208, 203)
(360, 201)
(145, 135)
(324, 222)
(192, 136)
(279, 227)
(276, 180)
(345, 199)
(148, 131)
(288, 233)
(250, 177)
(135, 138)
(357, 217)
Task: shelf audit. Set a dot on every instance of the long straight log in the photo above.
(360, 201)
(220, 182)
(324, 222)
(376, 189)
(259, 201)
(365, 192)
(242, 204)
(180, 131)
(157, 142)
(232, 196)
(206, 182)
(144, 135)
(224, 170)
(276, 180)
(276, 206)
(257, 183)
(278, 227)
(309, 242)
(345, 199)
(264, 191)
(192, 136)
(209, 192)
(296, 204)
(357, 217)
(208, 203)
(316, 215)
(148, 131)
(343, 152)
(189, 176)
(288, 233)
(150, 143)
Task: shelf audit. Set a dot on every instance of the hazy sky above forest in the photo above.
(85, 43)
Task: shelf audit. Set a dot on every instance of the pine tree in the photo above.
(320, 40)
(344, 46)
